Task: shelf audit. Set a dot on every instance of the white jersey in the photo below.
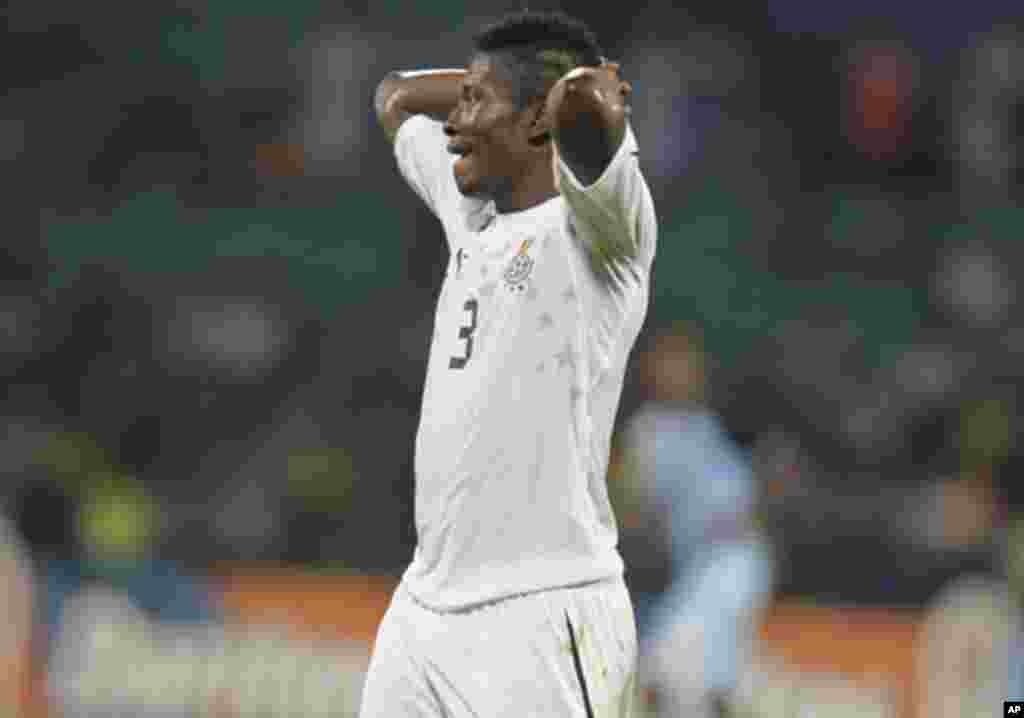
(534, 325)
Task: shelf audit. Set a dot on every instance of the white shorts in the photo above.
(561, 652)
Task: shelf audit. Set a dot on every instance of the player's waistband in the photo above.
(404, 591)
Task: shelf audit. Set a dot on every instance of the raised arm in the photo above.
(586, 111)
(421, 92)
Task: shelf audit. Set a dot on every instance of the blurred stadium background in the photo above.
(217, 297)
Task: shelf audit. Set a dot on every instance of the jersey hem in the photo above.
(471, 605)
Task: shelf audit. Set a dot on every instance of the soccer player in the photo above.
(514, 603)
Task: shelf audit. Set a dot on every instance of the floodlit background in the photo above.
(216, 298)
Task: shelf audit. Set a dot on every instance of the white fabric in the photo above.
(512, 449)
(510, 658)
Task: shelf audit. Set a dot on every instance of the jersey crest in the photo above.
(519, 269)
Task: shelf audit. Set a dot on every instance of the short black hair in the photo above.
(538, 48)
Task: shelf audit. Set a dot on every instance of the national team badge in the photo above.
(519, 269)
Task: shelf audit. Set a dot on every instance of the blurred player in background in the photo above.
(697, 638)
(515, 604)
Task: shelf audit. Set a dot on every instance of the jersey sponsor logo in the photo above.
(519, 269)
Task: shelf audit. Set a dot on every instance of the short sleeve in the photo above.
(615, 215)
(423, 159)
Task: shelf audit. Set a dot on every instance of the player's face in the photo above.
(489, 132)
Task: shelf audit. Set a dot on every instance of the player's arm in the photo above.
(400, 95)
(597, 170)
(587, 111)
(411, 108)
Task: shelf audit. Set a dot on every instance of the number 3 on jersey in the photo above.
(466, 334)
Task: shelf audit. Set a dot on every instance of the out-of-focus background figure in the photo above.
(972, 638)
(17, 586)
(699, 488)
(215, 299)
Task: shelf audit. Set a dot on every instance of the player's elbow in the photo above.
(387, 103)
(385, 92)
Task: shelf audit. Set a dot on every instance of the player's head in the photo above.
(674, 366)
(514, 64)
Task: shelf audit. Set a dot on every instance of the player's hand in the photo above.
(604, 82)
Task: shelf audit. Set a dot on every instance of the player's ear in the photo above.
(539, 130)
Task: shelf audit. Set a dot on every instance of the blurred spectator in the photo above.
(45, 513)
(104, 531)
(971, 654)
(696, 637)
(115, 583)
(883, 79)
(336, 79)
(17, 593)
(682, 85)
(986, 114)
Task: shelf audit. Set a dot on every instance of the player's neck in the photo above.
(536, 187)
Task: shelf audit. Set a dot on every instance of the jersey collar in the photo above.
(478, 213)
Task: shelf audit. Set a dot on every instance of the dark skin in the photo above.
(510, 156)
